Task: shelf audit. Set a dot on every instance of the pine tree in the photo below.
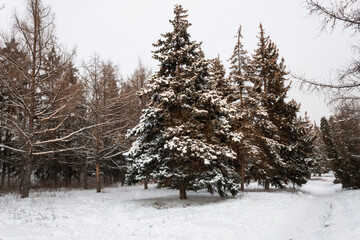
(239, 65)
(343, 145)
(262, 67)
(298, 137)
(131, 90)
(280, 127)
(322, 165)
(184, 131)
(248, 110)
(327, 134)
(217, 75)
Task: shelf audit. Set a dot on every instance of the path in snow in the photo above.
(319, 211)
(310, 219)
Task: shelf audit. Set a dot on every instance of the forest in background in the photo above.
(188, 126)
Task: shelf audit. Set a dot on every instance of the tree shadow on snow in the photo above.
(274, 190)
(194, 199)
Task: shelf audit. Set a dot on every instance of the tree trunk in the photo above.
(98, 182)
(8, 172)
(55, 180)
(3, 175)
(116, 177)
(242, 188)
(267, 184)
(85, 177)
(146, 184)
(21, 183)
(183, 191)
(106, 182)
(122, 177)
(110, 179)
(79, 179)
(42, 179)
(67, 177)
(25, 188)
(70, 176)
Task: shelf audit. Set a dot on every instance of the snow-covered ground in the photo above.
(321, 210)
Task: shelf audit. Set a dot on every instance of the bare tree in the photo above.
(346, 86)
(11, 50)
(39, 97)
(105, 110)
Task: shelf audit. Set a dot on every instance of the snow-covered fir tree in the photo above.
(217, 76)
(239, 65)
(281, 129)
(248, 109)
(298, 137)
(254, 112)
(183, 134)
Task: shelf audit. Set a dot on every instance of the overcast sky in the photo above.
(122, 31)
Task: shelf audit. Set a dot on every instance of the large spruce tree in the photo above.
(341, 137)
(248, 108)
(183, 133)
(284, 158)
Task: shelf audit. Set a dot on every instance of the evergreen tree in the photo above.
(262, 68)
(298, 152)
(345, 151)
(239, 65)
(217, 76)
(184, 131)
(327, 134)
(248, 111)
(131, 89)
(322, 165)
(281, 129)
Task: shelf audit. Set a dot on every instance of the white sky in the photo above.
(123, 30)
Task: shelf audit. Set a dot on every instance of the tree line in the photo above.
(203, 130)
(59, 121)
(189, 126)
(338, 138)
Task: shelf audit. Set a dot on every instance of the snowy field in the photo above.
(320, 210)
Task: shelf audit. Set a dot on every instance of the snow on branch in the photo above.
(69, 135)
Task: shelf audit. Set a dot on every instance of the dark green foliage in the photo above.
(184, 131)
(341, 136)
(322, 163)
(285, 140)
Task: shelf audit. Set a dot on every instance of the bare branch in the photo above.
(56, 151)
(69, 135)
(11, 148)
